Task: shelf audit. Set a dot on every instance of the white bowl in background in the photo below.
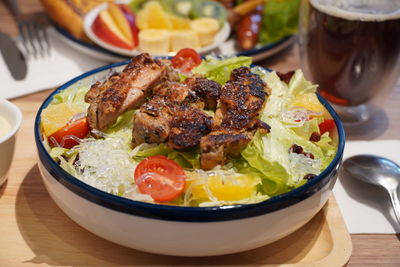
(12, 114)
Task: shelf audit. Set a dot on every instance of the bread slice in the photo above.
(68, 14)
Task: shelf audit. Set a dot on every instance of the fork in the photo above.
(32, 31)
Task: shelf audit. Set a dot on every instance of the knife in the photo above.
(13, 57)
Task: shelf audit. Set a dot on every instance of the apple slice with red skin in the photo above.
(107, 30)
(120, 20)
(132, 22)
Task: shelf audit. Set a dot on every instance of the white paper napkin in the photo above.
(367, 208)
(64, 64)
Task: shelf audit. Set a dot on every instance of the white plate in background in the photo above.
(89, 18)
(224, 48)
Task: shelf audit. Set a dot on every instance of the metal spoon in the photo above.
(378, 171)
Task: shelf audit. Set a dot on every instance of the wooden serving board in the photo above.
(35, 232)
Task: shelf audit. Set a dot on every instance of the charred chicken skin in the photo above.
(175, 113)
(188, 126)
(241, 100)
(152, 122)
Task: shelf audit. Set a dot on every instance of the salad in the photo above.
(290, 141)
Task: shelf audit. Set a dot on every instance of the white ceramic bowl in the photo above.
(182, 231)
(13, 116)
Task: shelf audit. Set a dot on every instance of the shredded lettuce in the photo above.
(106, 163)
(65, 157)
(219, 70)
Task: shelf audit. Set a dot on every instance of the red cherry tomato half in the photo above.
(79, 129)
(186, 59)
(326, 126)
(160, 177)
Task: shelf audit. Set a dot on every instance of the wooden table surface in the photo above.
(368, 249)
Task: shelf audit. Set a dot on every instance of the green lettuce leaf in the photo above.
(279, 98)
(186, 159)
(220, 70)
(325, 143)
(72, 95)
(308, 127)
(124, 121)
(273, 174)
(298, 84)
(282, 94)
(145, 150)
(279, 20)
(65, 157)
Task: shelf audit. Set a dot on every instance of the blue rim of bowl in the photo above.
(251, 52)
(178, 213)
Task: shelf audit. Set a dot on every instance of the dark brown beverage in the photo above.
(353, 56)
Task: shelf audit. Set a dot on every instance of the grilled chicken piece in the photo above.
(188, 125)
(261, 126)
(171, 91)
(97, 88)
(216, 145)
(152, 122)
(127, 92)
(175, 113)
(92, 97)
(241, 99)
(203, 90)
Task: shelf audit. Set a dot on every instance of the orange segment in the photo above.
(54, 117)
(223, 188)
